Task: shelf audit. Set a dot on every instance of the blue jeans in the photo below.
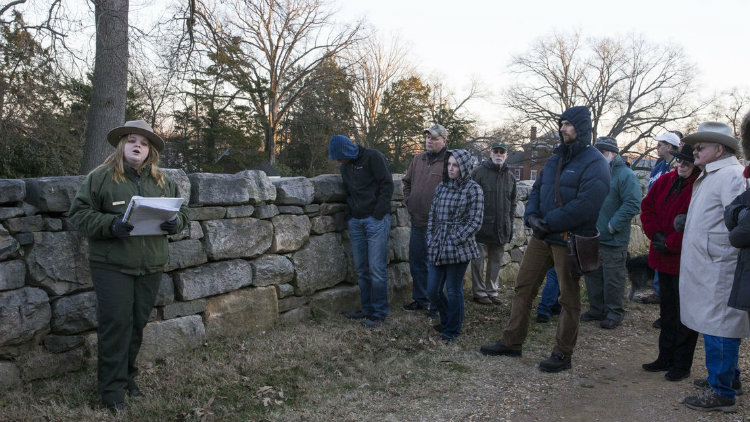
(369, 238)
(656, 282)
(549, 304)
(721, 362)
(418, 264)
(450, 278)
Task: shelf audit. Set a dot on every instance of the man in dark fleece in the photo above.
(566, 198)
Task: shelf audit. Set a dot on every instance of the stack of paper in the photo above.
(147, 214)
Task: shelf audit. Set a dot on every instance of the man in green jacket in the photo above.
(499, 187)
(606, 285)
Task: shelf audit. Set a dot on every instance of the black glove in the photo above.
(169, 226)
(658, 242)
(538, 227)
(121, 229)
(679, 222)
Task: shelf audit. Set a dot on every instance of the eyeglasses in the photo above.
(681, 162)
(699, 147)
(433, 138)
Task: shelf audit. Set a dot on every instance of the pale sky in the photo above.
(458, 40)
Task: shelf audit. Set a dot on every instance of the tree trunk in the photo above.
(110, 84)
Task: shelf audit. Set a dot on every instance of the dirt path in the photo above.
(607, 382)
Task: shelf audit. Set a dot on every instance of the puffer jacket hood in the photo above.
(580, 117)
(463, 158)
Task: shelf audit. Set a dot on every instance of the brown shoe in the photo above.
(496, 300)
(482, 300)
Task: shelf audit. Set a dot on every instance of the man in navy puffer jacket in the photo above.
(584, 179)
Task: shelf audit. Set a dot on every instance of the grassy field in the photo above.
(333, 369)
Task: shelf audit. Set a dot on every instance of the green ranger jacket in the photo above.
(100, 201)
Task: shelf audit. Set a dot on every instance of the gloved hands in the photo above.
(679, 222)
(659, 242)
(538, 227)
(120, 229)
(169, 226)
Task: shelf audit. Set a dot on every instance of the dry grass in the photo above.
(336, 370)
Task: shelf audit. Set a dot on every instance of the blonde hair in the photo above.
(116, 162)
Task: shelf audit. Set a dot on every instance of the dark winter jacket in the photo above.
(455, 215)
(584, 183)
(739, 237)
(622, 203)
(660, 168)
(419, 184)
(499, 188)
(100, 201)
(658, 209)
(368, 184)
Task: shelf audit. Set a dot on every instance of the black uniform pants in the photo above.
(124, 303)
(676, 341)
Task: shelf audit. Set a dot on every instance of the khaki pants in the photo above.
(540, 256)
(487, 285)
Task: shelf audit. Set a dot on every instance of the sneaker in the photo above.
(355, 315)
(677, 374)
(656, 366)
(555, 363)
(484, 300)
(588, 316)
(499, 349)
(609, 324)
(414, 306)
(703, 384)
(496, 300)
(542, 319)
(708, 400)
(652, 299)
(657, 323)
(372, 322)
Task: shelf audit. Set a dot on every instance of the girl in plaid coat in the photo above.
(455, 216)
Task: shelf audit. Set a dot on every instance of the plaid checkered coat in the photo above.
(455, 215)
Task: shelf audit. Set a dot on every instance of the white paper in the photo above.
(147, 214)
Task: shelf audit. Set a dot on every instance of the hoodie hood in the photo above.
(463, 158)
(580, 117)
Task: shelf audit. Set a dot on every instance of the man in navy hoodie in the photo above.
(566, 198)
(369, 187)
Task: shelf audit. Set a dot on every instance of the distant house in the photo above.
(528, 164)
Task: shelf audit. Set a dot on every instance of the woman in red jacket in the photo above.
(663, 212)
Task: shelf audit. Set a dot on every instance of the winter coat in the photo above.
(455, 215)
(622, 203)
(584, 183)
(657, 215)
(100, 201)
(419, 184)
(368, 184)
(499, 189)
(739, 237)
(708, 260)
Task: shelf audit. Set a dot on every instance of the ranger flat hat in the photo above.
(139, 127)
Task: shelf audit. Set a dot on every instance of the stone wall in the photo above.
(257, 252)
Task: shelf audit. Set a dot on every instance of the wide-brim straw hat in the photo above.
(716, 132)
(139, 127)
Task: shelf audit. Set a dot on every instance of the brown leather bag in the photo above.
(583, 254)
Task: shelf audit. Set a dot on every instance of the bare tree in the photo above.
(374, 67)
(730, 107)
(633, 88)
(110, 84)
(267, 49)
